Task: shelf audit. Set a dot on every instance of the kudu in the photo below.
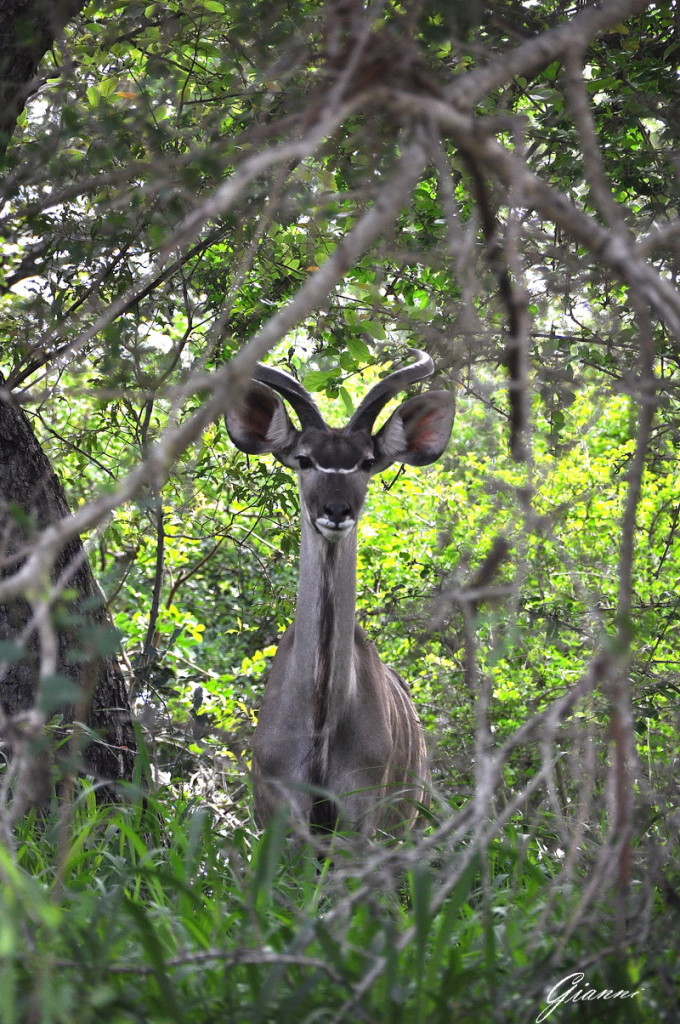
(337, 739)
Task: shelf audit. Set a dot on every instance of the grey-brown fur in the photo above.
(338, 740)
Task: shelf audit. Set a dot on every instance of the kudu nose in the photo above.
(337, 512)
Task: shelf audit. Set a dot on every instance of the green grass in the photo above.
(153, 912)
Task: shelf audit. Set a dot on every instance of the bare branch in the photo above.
(227, 383)
(577, 98)
(534, 54)
(474, 139)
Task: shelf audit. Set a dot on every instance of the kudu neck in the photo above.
(325, 613)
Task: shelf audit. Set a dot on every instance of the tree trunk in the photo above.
(88, 684)
(27, 30)
(88, 681)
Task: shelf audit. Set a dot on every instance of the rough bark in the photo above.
(31, 497)
(27, 30)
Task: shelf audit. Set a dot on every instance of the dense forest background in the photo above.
(189, 187)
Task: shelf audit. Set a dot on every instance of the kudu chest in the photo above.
(338, 740)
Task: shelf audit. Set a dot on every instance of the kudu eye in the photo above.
(368, 464)
(304, 461)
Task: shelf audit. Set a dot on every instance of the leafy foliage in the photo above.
(496, 584)
(141, 921)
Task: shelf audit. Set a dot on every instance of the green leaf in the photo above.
(421, 890)
(346, 400)
(56, 690)
(358, 349)
(374, 329)
(316, 380)
(11, 651)
(108, 87)
(154, 952)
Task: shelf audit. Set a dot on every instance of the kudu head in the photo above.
(335, 465)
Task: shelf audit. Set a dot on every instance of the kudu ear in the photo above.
(417, 432)
(259, 423)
